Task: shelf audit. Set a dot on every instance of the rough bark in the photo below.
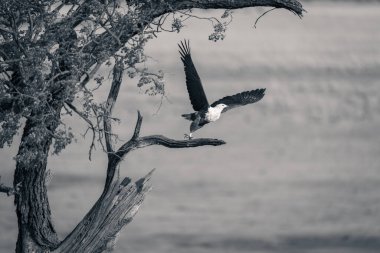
(36, 231)
(116, 207)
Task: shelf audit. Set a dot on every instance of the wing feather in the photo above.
(240, 99)
(194, 86)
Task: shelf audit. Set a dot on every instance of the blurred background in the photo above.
(300, 171)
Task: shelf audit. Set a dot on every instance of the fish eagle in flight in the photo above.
(204, 112)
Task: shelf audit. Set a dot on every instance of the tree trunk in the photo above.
(36, 231)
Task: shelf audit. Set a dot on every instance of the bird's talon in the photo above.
(188, 137)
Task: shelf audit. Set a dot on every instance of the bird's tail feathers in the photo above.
(189, 116)
(184, 49)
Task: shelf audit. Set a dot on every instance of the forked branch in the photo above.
(137, 142)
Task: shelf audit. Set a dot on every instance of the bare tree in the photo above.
(49, 53)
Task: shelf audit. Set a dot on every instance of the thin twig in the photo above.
(257, 20)
(91, 126)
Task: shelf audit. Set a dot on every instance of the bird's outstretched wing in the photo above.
(240, 99)
(193, 82)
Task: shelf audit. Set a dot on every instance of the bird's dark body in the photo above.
(198, 119)
(204, 112)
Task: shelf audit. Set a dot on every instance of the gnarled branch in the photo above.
(166, 142)
(291, 5)
(171, 143)
(137, 142)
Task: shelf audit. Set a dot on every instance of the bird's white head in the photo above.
(221, 106)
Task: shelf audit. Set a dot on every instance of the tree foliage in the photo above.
(50, 50)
